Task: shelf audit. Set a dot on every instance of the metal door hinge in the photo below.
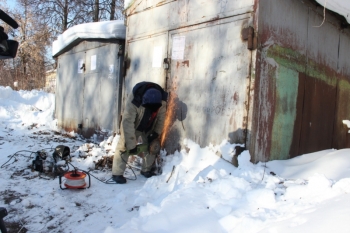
(248, 34)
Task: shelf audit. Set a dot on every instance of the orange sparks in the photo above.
(169, 117)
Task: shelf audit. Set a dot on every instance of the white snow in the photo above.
(197, 192)
(347, 123)
(97, 30)
(341, 7)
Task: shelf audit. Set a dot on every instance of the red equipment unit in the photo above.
(75, 180)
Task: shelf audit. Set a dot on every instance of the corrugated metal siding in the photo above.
(148, 17)
(293, 55)
(148, 22)
(297, 63)
(344, 51)
(318, 116)
(92, 97)
(69, 92)
(279, 23)
(210, 84)
(341, 135)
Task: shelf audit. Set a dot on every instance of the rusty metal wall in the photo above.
(210, 84)
(298, 62)
(149, 17)
(89, 95)
(276, 25)
(318, 115)
(341, 136)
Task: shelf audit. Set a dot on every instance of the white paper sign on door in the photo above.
(93, 62)
(80, 66)
(178, 49)
(111, 71)
(157, 57)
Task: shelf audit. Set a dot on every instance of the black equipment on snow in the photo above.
(37, 163)
(61, 153)
(72, 179)
(3, 213)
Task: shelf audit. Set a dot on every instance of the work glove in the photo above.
(133, 151)
(151, 137)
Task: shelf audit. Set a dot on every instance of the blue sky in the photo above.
(11, 3)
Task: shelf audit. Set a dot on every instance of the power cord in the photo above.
(109, 181)
(129, 168)
(11, 156)
(30, 156)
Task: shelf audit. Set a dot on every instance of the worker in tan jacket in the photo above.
(144, 116)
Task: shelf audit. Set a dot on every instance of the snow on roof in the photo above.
(339, 6)
(97, 30)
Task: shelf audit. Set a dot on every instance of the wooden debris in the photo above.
(104, 162)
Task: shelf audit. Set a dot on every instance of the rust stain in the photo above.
(214, 19)
(235, 97)
(186, 63)
(231, 119)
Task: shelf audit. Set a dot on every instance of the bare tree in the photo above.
(103, 10)
(59, 14)
(112, 16)
(62, 14)
(28, 68)
(40, 22)
(96, 10)
(114, 8)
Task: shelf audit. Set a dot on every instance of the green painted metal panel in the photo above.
(285, 112)
(298, 62)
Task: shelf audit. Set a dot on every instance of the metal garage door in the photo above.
(209, 83)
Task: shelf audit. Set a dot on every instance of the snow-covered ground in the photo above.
(197, 192)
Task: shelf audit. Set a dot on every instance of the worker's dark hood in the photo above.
(148, 93)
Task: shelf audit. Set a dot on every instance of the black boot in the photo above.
(119, 179)
(147, 174)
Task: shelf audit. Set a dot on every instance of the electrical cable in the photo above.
(31, 152)
(11, 156)
(109, 181)
(30, 156)
(129, 167)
